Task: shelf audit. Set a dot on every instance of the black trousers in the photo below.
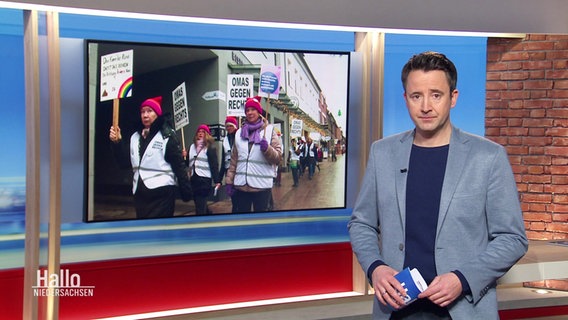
(154, 203)
(422, 309)
(201, 190)
(252, 201)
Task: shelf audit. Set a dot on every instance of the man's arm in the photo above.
(364, 224)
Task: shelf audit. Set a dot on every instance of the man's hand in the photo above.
(443, 290)
(387, 289)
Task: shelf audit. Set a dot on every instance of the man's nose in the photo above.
(426, 105)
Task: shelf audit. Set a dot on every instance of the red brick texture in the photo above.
(527, 112)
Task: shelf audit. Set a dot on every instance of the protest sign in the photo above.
(181, 114)
(269, 82)
(116, 79)
(116, 75)
(296, 129)
(239, 88)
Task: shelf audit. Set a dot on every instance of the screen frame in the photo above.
(92, 75)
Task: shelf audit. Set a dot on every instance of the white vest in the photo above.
(309, 150)
(152, 168)
(293, 155)
(252, 168)
(200, 161)
(227, 149)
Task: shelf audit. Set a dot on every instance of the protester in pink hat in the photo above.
(256, 153)
(155, 157)
(204, 168)
(231, 126)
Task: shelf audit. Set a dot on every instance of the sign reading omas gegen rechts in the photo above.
(239, 88)
(296, 128)
(181, 114)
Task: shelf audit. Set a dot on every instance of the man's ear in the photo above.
(454, 97)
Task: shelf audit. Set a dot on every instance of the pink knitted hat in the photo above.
(204, 127)
(154, 103)
(254, 102)
(231, 121)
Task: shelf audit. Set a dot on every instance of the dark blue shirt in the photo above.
(423, 191)
(425, 179)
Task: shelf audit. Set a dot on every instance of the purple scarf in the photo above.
(199, 145)
(251, 132)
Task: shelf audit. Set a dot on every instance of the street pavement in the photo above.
(325, 190)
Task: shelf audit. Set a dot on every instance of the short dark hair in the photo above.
(428, 61)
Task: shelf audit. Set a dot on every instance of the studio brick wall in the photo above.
(527, 112)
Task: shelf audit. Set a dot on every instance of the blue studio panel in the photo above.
(469, 56)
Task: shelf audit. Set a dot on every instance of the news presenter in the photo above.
(440, 200)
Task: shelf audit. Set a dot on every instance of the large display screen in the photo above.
(304, 97)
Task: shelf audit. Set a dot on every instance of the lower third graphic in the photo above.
(62, 284)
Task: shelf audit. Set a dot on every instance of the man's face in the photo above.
(252, 115)
(148, 116)
(429, 100)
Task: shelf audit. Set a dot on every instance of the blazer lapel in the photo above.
(402, 156)
(457, 156)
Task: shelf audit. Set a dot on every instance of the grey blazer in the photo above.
(480, 228)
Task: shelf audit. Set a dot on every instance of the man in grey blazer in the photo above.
(440, 200)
